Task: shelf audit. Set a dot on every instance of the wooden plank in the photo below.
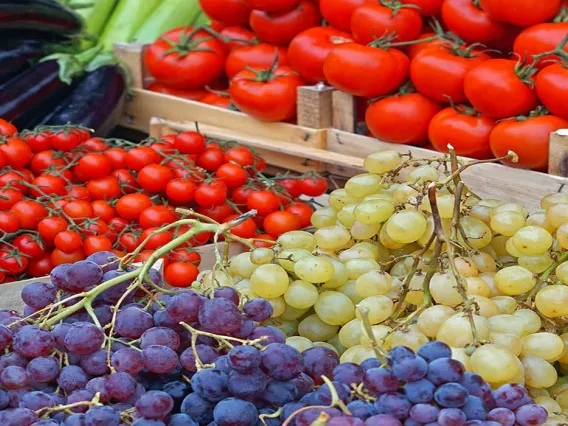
(344, 111)
(132, 55)
(314, 106)
(558, 153)
(488, 180)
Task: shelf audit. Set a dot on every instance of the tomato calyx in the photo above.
(539, 111)
(463, 108)
(187, 44)
(562, 15)
(66, 129)
(265, 75)
(406, 89)
(396, 5)
(525, 71)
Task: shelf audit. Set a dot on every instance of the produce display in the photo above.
(65, 195)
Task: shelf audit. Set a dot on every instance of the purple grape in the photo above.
(445, 370)
(39, 295)
(270, 334)
(304, 383)
(177, 390)
(44, 369)
(46, 422)
(128, 360)
(115, 293)
(258, 309)
(451, 417)
(399, 352)
(148, 422)
(81, 275)
(4, 399)
(268, 420)
(81, 395)
(246, 328)
(476, 386)
(184, 307)
(97, 385)
(228, 293)
(282, 362)
(323, 394)
(72, 378)
(382, 420)
(210, 384)
(345, 421)
(424, 413)
(411, 422)
(107, 260)
(206, 354)
(235, 412)
(511, 396)
(31, 342)
(120, 386)
(163, 319)
(434, 350)
(393, 403)
(75, 420)
(14, 377)
(59, 332)
(504, 416)
(491, 423)
(451, 395)
(290, 408)
(247, 385)
(370, 363)
(474, 408)
(36, 401)
(6, 337)
(155, 276)
(380, 380)
(132, 322)
(220, 316)
(102, 416)
(280, 393)
(348, 373)
(197, 408)
(160, 336)
(155, 405)
(84, 338)
(319, 361)
(160, 359)
(306, 418)
(420, 391)
(95, 363)
(104, 315)
(530, 415)
(18, 417)
(244, 358)
(57, 276)
(361, 409)
(222, 364)
(410, 368)
(181, 419)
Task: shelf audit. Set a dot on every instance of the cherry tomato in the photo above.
(96, 227)
(240, 155)
(186, 256)
(339, 12)
(156, 241)
(293, 187)
(539, 39)
(528, 138)
(246, 229)
(105, 188)
(427, 7)
(211, 194)
(552, 89)
(49, 227)
(9, 197)
(240, 194)
(29, 244)
(40, 266)
(154, 178)
(29, 213)
(126, 180)
(303, 211)
(44, 160)
(272, 99)
(524, 13)
(59, 257)
(39, 141)
(232, 174)
(130, 206)
(313, 186)
(263, 202)
(217, 213)
(9, 222)
(279, 222)
(95, 244)
(263, 243)
(240, 37)
(129, 241)
(180, 274)
(282, 27)
(308, 50)
(190, 142)
(495, 89)
(402, 118)
(467, 132)
(210, 159)
(68, 241)
(156, 216)
(17, 152)
(79, 193)
(228, 12)
(93, 166)
(69, 139)
(7, 128)
(197, 61)
(271, 5)
(180, 191)
(117, 225)
(139, 157)
(116, 156)
(191, 94)
(261, 55)
(48, 185)
(103, 210)
(78, 209)
(12, 262)
(218, 100)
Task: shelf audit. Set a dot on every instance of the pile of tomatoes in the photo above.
(65, 195)
(426, 72)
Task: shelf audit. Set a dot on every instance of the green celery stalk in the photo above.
(168, 15)
(125, 21)
(100, 14)
(202, 19)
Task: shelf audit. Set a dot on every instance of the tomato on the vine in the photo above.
(262, 55)
(155, 241)
(228, 12)
(246, 229)
(264, 243)
(185, 255)
(29, 213)
(9, 222)
(7, 128)
(30, 245)
(313, 186)
(130, 206)
(39, 141)
(180, 274)
(59, 257)
(40, 266)
(103, 210)
(521, 13)
(211, 194)
(48, 185)
(93, 166)
(539, 39)
(190, 142)
(217, 213)
(210, 159)
(427, 7)
(68, 241)
(141, 156)
(95, 227)
(279, 222)
(271, 5)
(154, 178)
(9, 197)
(263, 202)
(240, 37)
(302, 210)
(232, 174)
(49, 227)
(78, 209)
(45, 159)
(129, 241)
(78, 193)
(13, 262)
(293, 187)
(105, 188)
(240, 155)
(18, 154)
(156, 216)
(180, 191)
(116, 157)
(96, 243)
(220, 99)
(69, 139)
(552, 89)
(126, 180)
(339, 12)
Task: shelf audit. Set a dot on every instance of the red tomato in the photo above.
(78, 209)
(246, 229)
(29, 244)
(240, 194)
(139, 157)
(552, 89)
(292, 187)
(12, 262)
(264, 202)
(103, 210)
(49, 227)
(308, 50)
(269, 99)
(522, 13)
(190, 142)
(69, 139)
(472, 24)
(79, 193)
(197, 62)
(211, 194)
(279, 222)
(186, 256)
(217, 213)
(303, 211)
(217, 99)
(528, 138)
(263, 243)
(126, 181)
(210, 159)
(240, 37)
(129, 241)
(14, 178)
(467, 132)
(191, 94)
(313, 186)
(156, 241)
(154, 178)
(117, 225)
(130, 206)
(402, 118)
(232, 174)
(95, 244)
(59, 257)
(282, 27)
(339, 12)
(365, 71)
(9, 197)
(48, 185)
(9, 222)
(105, 188)
(261, 55)
(40, 266)
(39, 141)
(96, 227)
(271, 5)
(495, 89)
(18, 154)
(228, 12)
(116, 157)
(427, 7)
(539, 39)
(374, 20)
(180, 191)
(180, 274)
(46, 159)
(29, 213)
(156, 216)
(7, 128)
(240, 155)
(68, 241)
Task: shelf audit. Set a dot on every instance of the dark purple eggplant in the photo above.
(17, 59)
(96, 102)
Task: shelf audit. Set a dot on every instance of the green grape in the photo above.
(477, 232)
(278, 306)
(396, 287)
(332, 237)
(314, 269)
(357, 267)
(539, 219)
(288, 258)
(261, 256)
(387, 241)
(499, 245)
(537, 263)
(334, 308)
(380, 333)
(378, 308)
(383, 253)
(552, 301)
(443, 288)
(423, 174)
(402, 193)
(415, 295)
(297, 240)
(350, 333)
(406, 226)
(301, 295)
(534, 323)
(494, 363)
(241, 265)
(508, 341)
(373, 283)
(507, 222)
(456, 331)
(445, 204)
(478, 287)
(334, 341)
(485, 306)
(215, 279)
(323, 217)
(269, 281)
(382, 161)
(506, 304)
(374, 211)
(532, 240)
(562, 272)
(362, 185)
(483, 210)
(244, 288)
(466, 267)
(555, 198)
(381, 195)
(547, 346)
(291, 313)
(326, 345)
(299, 343)
(362, 231)
(489, 278)
(289, 328)
(557, 214)
(346, 216)
(340, 275)
(540, 374)
(512, 249)
(430, 321)
(339, 199)
(562, 236)
(313, 328)
(514, 280)
(510, 207)
(411, 339)
(358, 251)
(484, 262)
(348, 289)
(399, 269)
(508, 324)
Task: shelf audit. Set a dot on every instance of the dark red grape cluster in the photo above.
(188, 359)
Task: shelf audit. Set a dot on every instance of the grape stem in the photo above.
(380, 353)
(224, 339)
(274, 415)
(46, 411)
(543, 278)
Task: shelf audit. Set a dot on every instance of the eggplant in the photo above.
(46, 16)
(96, 102)
(17, 59)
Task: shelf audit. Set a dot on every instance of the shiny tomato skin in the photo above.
(210, 159)
(105, 188)
(103, 210)
(303, 211)
(42, 160)
(402, 118)
(539, 39)
(13, 263)
(264, 202)
(29, 213)
(521, 13)
(468, 134)
(282, 27)
(472, 24)
(95, 244)
(494, 89)
(217, 100)
(365, 71)
(246, 229)
(528, 138)
(9, 197)
(240, 36)
(217, 213)
(180, 274)
(338, 13)
(191, 71)
(191, 94)
(116, 157)
(180, 191)
(18, 154)
(308, 50)
(40, 266)
(427, 7)
(156, 241)
(211, 194)
(154, 178)
(39, 142)
(59, 257)
(49, 227)
(190, 143)
(139, 157)
(130, 206)
(552, 89)
(7, 128)
(372, 20)
(313, 186)
(9, 222)
(273, 100)
(439, 73)
(261, 55)
(48, 185)
(280, 222)
(271, 5)
(228, 12)
(156, 216)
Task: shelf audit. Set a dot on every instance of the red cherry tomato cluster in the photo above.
(65, 195)
(415, 78)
